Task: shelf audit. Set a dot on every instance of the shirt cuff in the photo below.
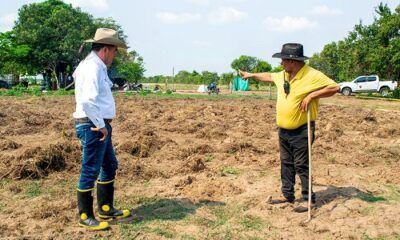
(98, 122)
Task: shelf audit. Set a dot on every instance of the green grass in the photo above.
(143, 95)
(208, 158)
(366, 237)
(251, 223)
(188, 86)
(155, 209)
(131, 231)
(228, 170)
(187, 237)
(373, 96)
(393, 192)
(163, 232)
(389, 193)
(19, 91)
(368, 210)
(372, 198)
(223, 214)
(155, 216)
(4, 183)
(68, 186)
(33, 189)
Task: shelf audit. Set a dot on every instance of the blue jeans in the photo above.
(98, 157)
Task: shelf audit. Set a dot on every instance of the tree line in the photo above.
(47, 36)
(46, 39)
(245, 63)
(368, 49)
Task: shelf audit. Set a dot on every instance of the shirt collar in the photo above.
(300, 73)
(93, 55)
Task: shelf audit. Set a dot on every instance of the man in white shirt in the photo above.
(95, 109)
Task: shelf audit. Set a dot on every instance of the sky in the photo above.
(209, 34)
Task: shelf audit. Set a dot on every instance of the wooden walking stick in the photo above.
(309, 163)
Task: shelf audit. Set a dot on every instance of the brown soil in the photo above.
(201, 154)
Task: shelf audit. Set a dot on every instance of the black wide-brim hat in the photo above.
(291, 51)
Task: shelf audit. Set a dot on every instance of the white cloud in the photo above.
(289, 24)
(226, 15)
(7, 21)
(325, 10)
(172, 18)
(96, 5)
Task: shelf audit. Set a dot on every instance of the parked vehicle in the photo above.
(4, 84)
(133, 87)
(212, 88)
(367, 84)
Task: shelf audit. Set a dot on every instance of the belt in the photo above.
(302, 127)
(87, 120)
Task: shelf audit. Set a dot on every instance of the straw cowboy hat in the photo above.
(107, 36)
(291, 51)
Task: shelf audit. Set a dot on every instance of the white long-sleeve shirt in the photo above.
(93, 94)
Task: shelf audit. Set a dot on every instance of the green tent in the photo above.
(240, 85)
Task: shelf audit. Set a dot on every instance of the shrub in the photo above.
(396, 93)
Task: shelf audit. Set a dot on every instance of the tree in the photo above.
(327, 60)
(209, 77)
(262, 66)
(53, 31)
(183, 77)
(251, 64)
(127, 65)
(368, 49)
(13, 56)
(277, 69)
(227, 78)
(244, 63)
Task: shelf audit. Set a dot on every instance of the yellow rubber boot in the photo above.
(86, 216)
(105, 199)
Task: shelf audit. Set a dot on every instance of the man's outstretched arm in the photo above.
(262, 77)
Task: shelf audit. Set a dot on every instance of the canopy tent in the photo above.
(202, 89)
(240, 85)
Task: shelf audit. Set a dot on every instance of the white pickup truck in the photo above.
(367, 84)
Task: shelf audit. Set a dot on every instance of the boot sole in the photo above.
(110, 218)
(94, 228)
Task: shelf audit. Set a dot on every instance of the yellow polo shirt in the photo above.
(307, 80)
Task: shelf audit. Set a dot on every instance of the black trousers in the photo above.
(294, 159)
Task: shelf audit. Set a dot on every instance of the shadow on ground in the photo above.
(173, 209)
(332, 192)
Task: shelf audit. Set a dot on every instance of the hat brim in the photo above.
(110, 41)
(283, 56)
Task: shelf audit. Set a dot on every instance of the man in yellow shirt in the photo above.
(299, 87)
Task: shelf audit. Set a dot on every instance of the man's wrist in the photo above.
(311, 95)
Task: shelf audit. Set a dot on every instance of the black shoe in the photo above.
(281, 200)
(105, 199)
(303, 208)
